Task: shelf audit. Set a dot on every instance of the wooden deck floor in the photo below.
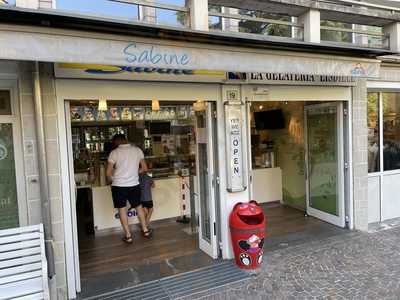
(108, 254)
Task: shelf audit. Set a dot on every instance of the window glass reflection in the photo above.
(373, 132)
(391, 131)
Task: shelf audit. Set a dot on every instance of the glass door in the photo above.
(325, 162)
(12, 183)
(206, 179)
(9, 217)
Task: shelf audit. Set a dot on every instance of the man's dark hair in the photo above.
(119, 137)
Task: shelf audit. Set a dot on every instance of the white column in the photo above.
(231, 25)
(311, 26)
(198, 14)
(32, 4)
(394, 36)
(147, 14)
(360, 39)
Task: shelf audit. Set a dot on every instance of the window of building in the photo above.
(383, 111)
(5, 102)
(373, 132)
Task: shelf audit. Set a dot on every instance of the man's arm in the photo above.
(143, 167)
(109, 171)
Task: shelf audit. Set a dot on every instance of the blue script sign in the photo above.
(149, 54)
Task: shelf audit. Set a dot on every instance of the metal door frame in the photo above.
(211, 248)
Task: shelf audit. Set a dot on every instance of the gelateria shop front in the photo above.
(289, 154)
(293, 142)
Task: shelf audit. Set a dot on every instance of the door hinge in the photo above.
(346, 165)
(345, 112)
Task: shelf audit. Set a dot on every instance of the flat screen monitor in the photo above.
(270, 119)
(160, 128)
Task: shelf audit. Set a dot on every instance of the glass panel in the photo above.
(104, 8)
(204, 195)
(373, 132)
(8, 186)
(5, 103)
(171, 17)
(391, 131)
(322, 159)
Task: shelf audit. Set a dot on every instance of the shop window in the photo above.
(373, 132)
(391, 131)
(387, 107)
(5, 103)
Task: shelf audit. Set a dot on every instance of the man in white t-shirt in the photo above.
(124, 165)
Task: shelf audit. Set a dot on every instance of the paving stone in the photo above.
(352, 266)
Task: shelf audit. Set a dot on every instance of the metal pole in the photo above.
(44, 183)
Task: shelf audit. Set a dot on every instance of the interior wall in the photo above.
(289, 144)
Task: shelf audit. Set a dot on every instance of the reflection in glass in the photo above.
(391, 131)
(373, 132)
(322, 159)
(5, 103)
(8, 186)
(203, 178)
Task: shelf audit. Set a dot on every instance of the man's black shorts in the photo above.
(121, 194)
(147, 204)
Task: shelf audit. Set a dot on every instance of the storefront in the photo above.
(383, 145)
(294, 140)
(284, 137)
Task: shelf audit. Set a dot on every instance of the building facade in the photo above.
(335, 83)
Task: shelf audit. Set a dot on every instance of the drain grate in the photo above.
(181, 285)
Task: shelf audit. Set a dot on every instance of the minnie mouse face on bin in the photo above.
(252, 245)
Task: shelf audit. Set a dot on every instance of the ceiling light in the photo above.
(102, 104)
(199, 105)
(155, 104)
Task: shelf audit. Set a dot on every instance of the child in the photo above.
(146, 199)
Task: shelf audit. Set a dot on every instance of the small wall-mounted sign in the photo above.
(234, 125)
(232, 95)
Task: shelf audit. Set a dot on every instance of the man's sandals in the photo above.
(127, 239)
(148, 233)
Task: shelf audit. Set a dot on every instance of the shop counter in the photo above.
(267, 184)
(167, 199)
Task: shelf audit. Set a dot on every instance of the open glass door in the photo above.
(325, 162)
(206, 176)
(73, 192)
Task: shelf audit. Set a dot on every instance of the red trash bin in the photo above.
(247, 224)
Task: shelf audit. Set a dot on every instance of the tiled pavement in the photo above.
(348, 266)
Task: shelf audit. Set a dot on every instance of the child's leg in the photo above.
(148, 215)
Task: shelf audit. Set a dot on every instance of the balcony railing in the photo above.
(357, 35)
(160, 13)
(253, 22)
(394, 7)
(283, 25)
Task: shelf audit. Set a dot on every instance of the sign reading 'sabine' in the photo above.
(149, 54)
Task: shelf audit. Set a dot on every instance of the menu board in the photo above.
(89, 114)
(114, 113)
(138, 113)
(128, 113)
(76, 113)
(101, 115)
